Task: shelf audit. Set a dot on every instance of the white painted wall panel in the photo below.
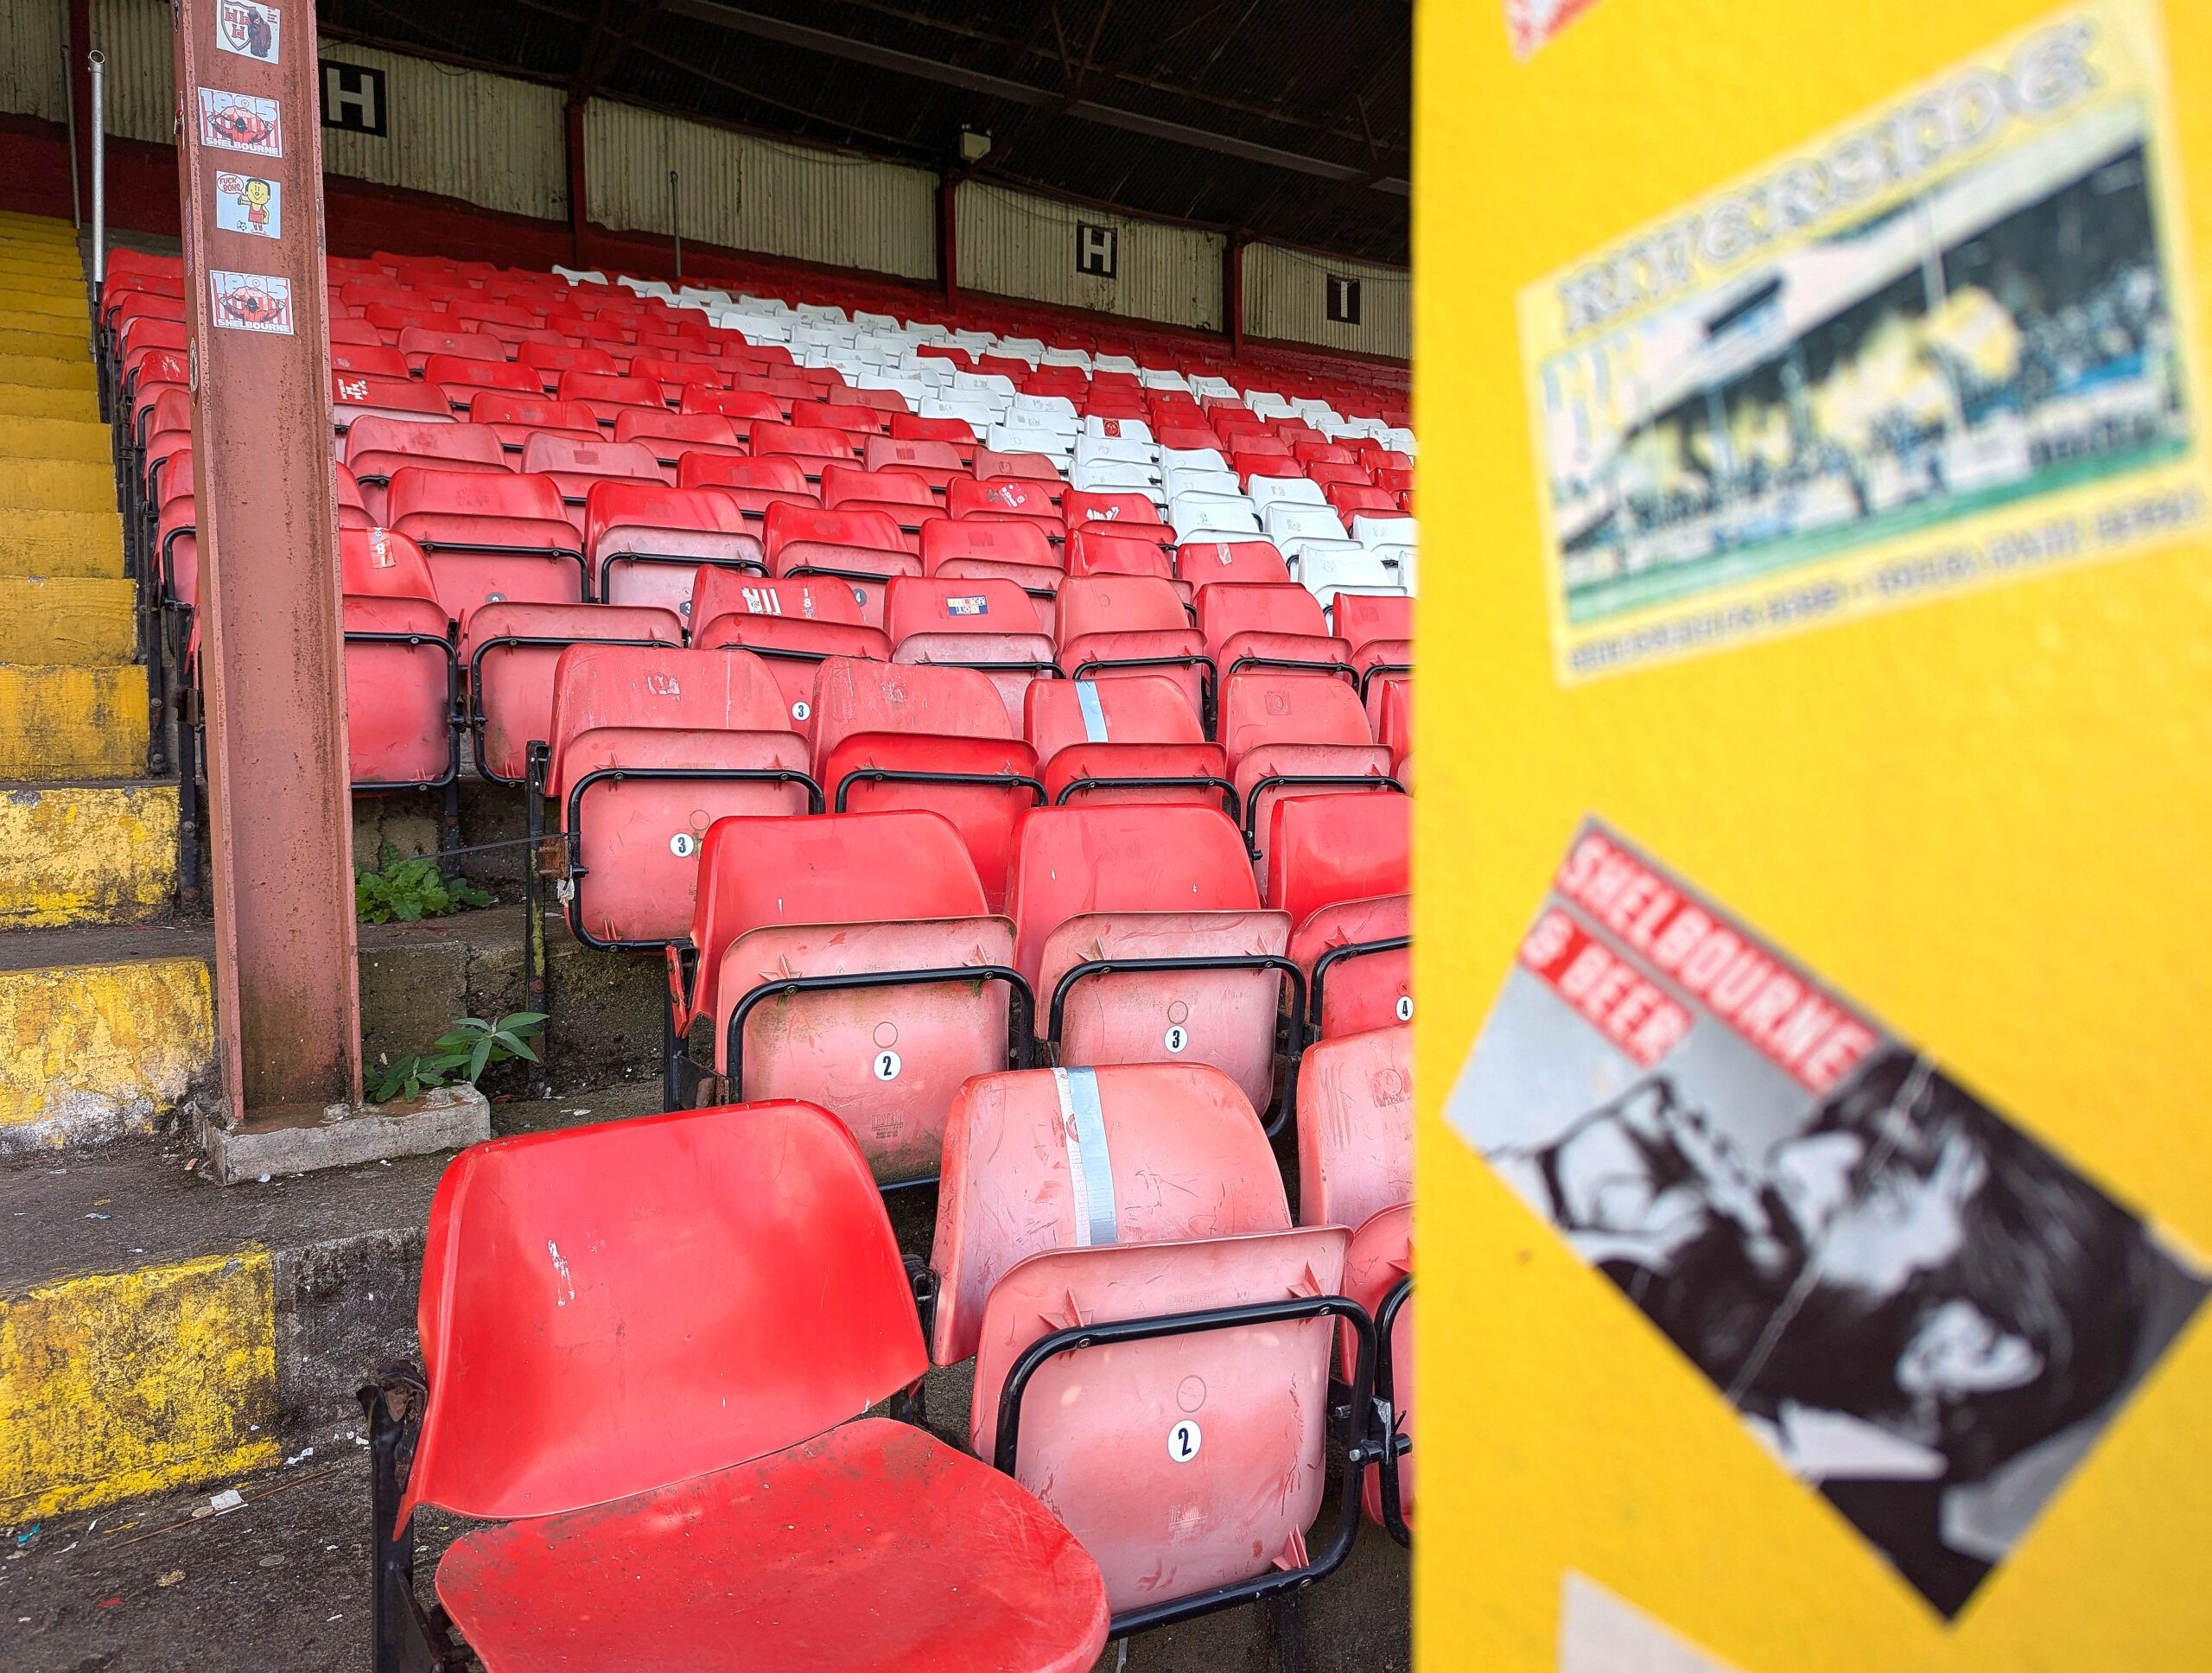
(1013, 244)
(746, 192)
(1285, 297)
(32, 35)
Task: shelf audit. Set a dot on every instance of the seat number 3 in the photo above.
(1179, 1039)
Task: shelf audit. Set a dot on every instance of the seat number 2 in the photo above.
(886, 1066)
(1184, 1441)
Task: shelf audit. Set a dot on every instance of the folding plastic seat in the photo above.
(988, 625)
(1328, 569)
(855, 423)
(1007, 499)
(402, 677)
(1111, 626)
(359, 395)
(418, 343)
(510, 651)
(377, 446)
(888, 736)
(1196, 516)
(753, 484)
(1270, 627)
(1398, 483)
(1379, 627)
(634, 1443)
(650, 746)
(352, 510)
(607, 395)
(905, 498)
(1322, 452)
(1234, 562)
(1385, 529)
(458, 378)
(675, 376)
(852, 956)
(1050, 1217)
(793, 624)
(1177, 480)
(864, 548)
(645, 541)
(936, 463)
(573, 467)
(1097, 889)
(1350, 499)
(1252, 467)
(367, 361)
(1126, 430)
(491, 536)
(1339, 866)
(1131, 514)
(814, 446)
(1294, 734)
(1355, 1168)
(1024, 466)
(1266, 493)
(954, 433)
(1135, 739)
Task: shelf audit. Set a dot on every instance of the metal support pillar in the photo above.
(948, 238)
(80, 103)
(280, 823)
(572, 120)
(1232, 292)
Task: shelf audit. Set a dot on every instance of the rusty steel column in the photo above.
(1232, 292)
(948, 238)
(572, 145)
(287, 994)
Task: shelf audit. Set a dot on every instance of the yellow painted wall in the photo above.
(1986, 817)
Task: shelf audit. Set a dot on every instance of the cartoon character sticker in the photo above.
(248, 204)
(239, 122)
(251, 301)
(250, 30)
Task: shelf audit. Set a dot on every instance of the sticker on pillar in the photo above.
(1911, 1304)
(1945, 346)
(248, 204)
(251, 301)
(250, 30)
(240, 121)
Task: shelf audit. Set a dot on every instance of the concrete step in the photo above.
(87, 854)
(84, 441)
(64, 284)
(36, 333)
(44, 370)
(66, 304)
(71, 621)
(55, 484)
(55, 544)
(32, 401)
(60, 723)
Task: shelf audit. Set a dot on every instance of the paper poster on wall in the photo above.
(1600, 1632)
(1946, 345)
(1911, 1304)
(251, 29)
(249, 204)
(1532, 23)
(241, 121)
(251, 301)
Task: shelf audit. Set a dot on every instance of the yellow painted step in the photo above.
(91, 443)
(59, 544)
(30, 401)
(40, 334)
(47, 371)
(117, 1385)
(18, 279)
(91, 1052)
(66, 620)
(55, 484)
(32, 296)
(41, 271)
(87, 854)
(72, 723)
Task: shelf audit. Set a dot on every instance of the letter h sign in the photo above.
(1095, 249)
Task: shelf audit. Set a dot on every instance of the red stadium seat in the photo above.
(1132, 515)
(793, 624)
(1022, 468)
(1057, 1257)
(1240, 563)
(864, 547)
(1109, 626)
(1270, 627)
(954, 433)
(800, 927)
(645, 541)
(903, 498)
(987, 625)
(1339, 865)
(359, 395)
(418, 343)
(607, 395)
(511, 650)
(1356, 1169)
(649, 746)
(743, 408)
(935, 738)
(1135, 739)
(1006, 498)
(935, 462)
(377, 446)
(1098, 888)
(1113, 549)
(1300, 734)
(401, 681)
(549, 360)
(672, 434)
(812, 445)
(753, 484)
(1012, 549)
(641, 1442)
(491, 536)
(458, 378)
(1379, 627)
(515, 418)
(573, 467)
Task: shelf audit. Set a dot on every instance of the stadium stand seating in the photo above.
(996, 725)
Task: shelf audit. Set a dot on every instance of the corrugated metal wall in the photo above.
(33, 34)
(752, 194)
(484, 139)
(1013, 244)
(1287, 297)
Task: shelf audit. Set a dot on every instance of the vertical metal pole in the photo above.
(74, 12)
(948, 238)
(676, 224)
(572, 121)
(287, 999)
(1232, 286)
(96, 62)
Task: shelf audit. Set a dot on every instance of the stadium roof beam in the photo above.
(808, 38)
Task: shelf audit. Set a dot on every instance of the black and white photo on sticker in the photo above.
(1913, 1305)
